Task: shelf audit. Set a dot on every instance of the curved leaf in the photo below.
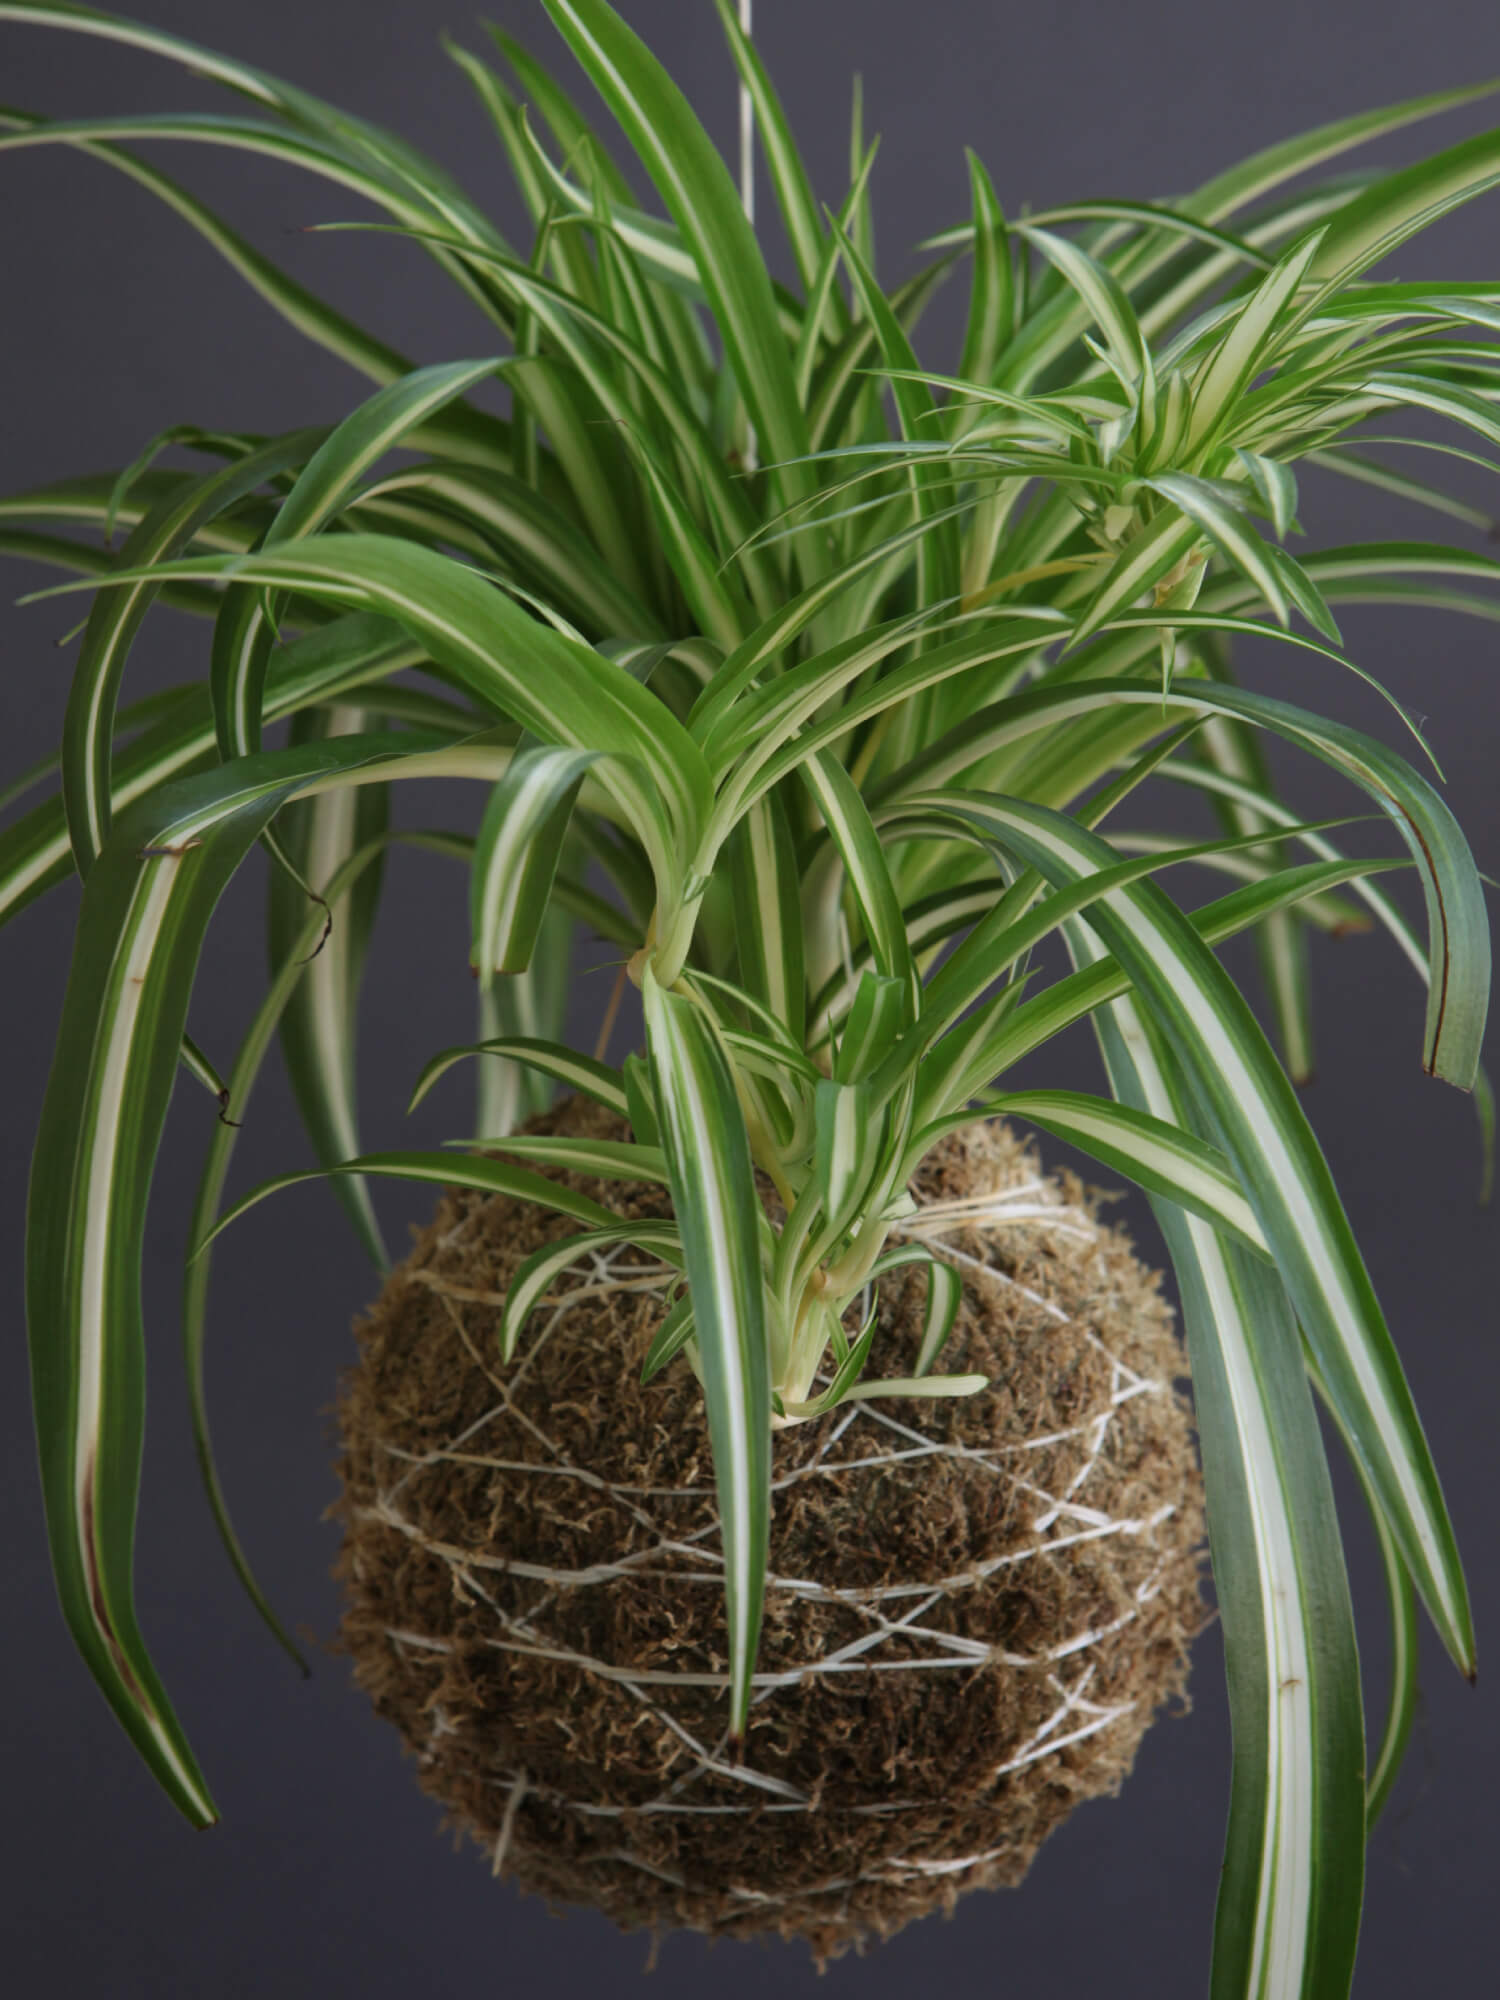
(1223, 1050)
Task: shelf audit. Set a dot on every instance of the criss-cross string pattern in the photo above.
(898, 1626)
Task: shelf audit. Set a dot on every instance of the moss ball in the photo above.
(975, 1605)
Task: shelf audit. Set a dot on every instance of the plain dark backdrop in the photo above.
(326, 1877)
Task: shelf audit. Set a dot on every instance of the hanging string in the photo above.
(747, 191)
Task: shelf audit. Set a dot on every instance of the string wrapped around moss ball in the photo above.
(975, 1605)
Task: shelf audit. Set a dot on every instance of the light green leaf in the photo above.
(944, 1295)
(1241, 354)
(516, 855)
(243, 631)
(674, 1333)
(1159, 1156)
(597, 1159)
(1236, 538)
(536, 1276)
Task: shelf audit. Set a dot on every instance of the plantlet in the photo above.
(845, 674)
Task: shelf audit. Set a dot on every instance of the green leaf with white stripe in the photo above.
(560, 689)
(857, 843)
(241, 1082)
(971, 1055)
(1158, 1156)
(640, 1100)
(1111, 311)
(1383, 1761)
(849, 1125)
(1458, 927)
(1290, 1887)
(674, 1333)
(346, 654)
(243, 632)
(881, 1009)
(1265, 1133)
(1236, 538)
(541, 1270)
(1423, 392)
(517, 853)
(467, 434)
(991, 293)
(762, 864)
(799, 209)
(1242, 353)
(531, 1004)
(117, 615)
(697, 188)
(938, 550)
(320, 1022)
(945, 1292)
(719, 610)
(594, 1159)
(465, 1170)
(551, 1059)
(1378, 216)
(718, 1215)
(1142, 563)
(147, 904)
(1280, 942)
(1255, 177)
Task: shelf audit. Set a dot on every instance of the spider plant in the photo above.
(845, 678)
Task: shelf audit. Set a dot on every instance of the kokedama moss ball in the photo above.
(975, 1605)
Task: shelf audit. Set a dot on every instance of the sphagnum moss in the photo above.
(848, 679)
(974, 1605)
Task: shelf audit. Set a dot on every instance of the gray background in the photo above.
(326, 1877)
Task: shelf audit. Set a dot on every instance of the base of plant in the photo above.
(975, 1605)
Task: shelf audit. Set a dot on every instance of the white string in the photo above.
(747, 194)
(747, 130)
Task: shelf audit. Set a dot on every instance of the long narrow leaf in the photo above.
(713, 1192)
(1222, 1048)
(697, 187)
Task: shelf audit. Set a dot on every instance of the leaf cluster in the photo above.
(828, 688)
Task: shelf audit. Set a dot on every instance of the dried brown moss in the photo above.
(977, 1605)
